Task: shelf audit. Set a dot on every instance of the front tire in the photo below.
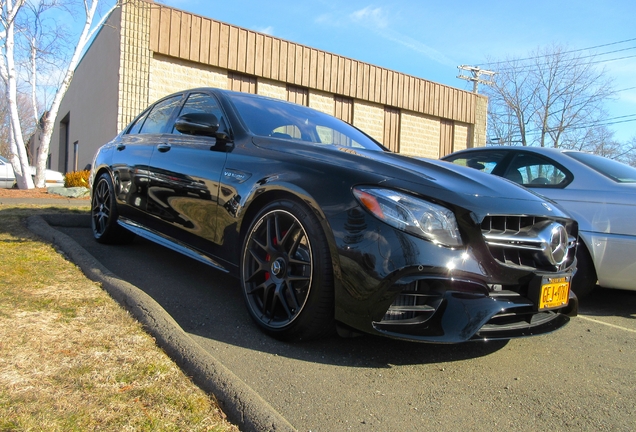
(286, 273)
(104, 214)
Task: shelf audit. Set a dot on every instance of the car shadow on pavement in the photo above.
(609, 302)
(208, 303)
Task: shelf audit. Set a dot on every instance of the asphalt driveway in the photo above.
(582, 377)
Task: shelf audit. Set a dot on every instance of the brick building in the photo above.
(146, 51)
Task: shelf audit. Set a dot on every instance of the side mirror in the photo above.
(198, 124)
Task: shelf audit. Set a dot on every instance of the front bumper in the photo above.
(452, 316)
(393, 284)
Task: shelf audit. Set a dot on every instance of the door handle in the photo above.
(120, 146)
(163, 147)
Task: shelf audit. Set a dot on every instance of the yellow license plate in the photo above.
(555, 293)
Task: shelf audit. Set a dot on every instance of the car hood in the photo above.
(482, 193)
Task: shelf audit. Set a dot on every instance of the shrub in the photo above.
(76, 179)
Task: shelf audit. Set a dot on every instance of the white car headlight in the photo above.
(412, 215)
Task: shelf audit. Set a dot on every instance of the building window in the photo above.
(242, 83)
(392, 129)
(298, 95)
(344, 109)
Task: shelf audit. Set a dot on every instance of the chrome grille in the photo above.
(519, 241)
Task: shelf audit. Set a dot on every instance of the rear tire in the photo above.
(286, 273)
(585, 278)
(104, 214)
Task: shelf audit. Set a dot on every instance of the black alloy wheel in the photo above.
(104, 214)
(286, 273)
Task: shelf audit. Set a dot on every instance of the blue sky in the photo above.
(429, 39)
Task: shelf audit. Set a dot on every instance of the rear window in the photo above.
(617, 171)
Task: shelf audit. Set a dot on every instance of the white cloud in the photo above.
(370, 17)
(269, 30)
(377, 20)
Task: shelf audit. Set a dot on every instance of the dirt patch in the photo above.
(33, 193)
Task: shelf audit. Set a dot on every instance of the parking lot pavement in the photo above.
(582, 377)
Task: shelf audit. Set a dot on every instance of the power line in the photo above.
(567, 52)
(605, 122)
(614, 59)
(527, 67)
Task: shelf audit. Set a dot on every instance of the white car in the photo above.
(7, 177)
(599, 193)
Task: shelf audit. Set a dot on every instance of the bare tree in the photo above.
(25, 115)
(552, 98)
(32, 44)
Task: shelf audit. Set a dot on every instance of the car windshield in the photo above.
(280, 119)
(3, 159)
(617, 171)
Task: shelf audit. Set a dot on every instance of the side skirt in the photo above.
(176, 246)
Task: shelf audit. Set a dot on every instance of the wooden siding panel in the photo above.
(185, 35)
(445, 102)
(155, 27)
(175, 33)
(299, 58)
(348, 77)
(164, 32)
(366, 81)
(282, 67)
(250, 59)
(340, 70)
(343, 108)
(327, 72)
(213, 44)
(333, 79)
(391, 138)
(320, 70)
(204, 42)
(395, 90)
(241, 82)
(407, 91)
(306, 71)
(297, 95)
(195, 38)
(241, 52)
(259, 44)
(267, 56)
(199, 39)
(275, 58)
(447, 128)
(291, 62)
(224, 41)
(377, 92)
(415, 96)
(233, 48)
(313, 68)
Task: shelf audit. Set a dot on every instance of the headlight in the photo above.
(412, 215)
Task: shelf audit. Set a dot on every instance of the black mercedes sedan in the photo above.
(328, 230)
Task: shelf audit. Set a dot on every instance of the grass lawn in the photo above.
(71, 359)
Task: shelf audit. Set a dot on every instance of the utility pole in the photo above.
(476, 74)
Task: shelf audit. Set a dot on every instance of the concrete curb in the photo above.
(243, 406)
